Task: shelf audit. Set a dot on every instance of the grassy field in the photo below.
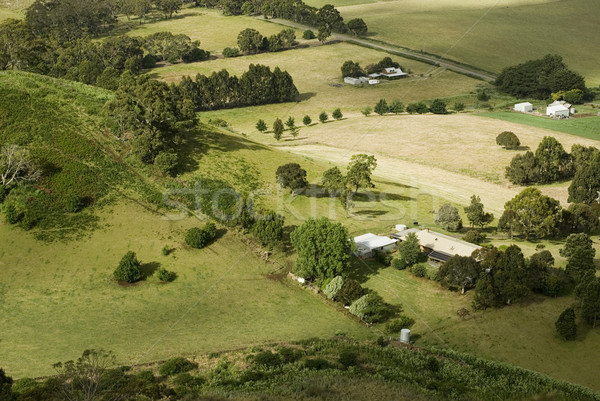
(489, 34)
(588, 127)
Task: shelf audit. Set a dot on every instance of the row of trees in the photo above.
(540, 78)
(382, 107)
(250, 41)
(290, 123)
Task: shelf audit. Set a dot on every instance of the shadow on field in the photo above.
(286, 243)
(361, 269)
(148, 269)
(380, 196)
(305, 96)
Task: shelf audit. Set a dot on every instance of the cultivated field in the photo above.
(489, 34)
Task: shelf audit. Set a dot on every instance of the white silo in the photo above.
(405, 336)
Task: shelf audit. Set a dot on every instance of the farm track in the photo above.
(438, 61)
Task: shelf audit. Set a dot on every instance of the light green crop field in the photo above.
(520, 334)
(6, 13)
(214, 30)
(490, 34)
(585, 127)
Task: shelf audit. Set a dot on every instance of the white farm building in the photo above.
(524, 107)
(557, 111)
(439, 247)
(356, 81)
(367, 244)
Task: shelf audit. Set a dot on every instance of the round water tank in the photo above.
(405, 336)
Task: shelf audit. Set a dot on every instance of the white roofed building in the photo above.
(440, 247)
(524, 107)
(367, 244)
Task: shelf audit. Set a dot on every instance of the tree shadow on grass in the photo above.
(373, 196)
(369, 213)
(286, 243)
(305, 96)
(148, 269)
(362, 269)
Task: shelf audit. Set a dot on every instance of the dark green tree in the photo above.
(538, 270)
(261, 125)
(475, 213)
(129, 268)
(586, 183)
(168, 7)
(268, 228)
(553, 162)
(306, 120)
(359, 171)
(459, 272)
(357, 26)
(448, 218)
(508, 140)
(523, 169)
(277, 129)
(420, 108)
(6, 382)
(323, 248)
(566, 325)
(582, 155)
(323, 117)
(333, 181)
(580, 217)
(287, 37)
(438, 106)
(290, 123)
(396, 107)
(308, 34)
(352, 69)
(198, 238)
(381, 107)
(509, 223)
(323, 33)
(337, 114)
(580, 253)
(292, 176)
(351, 290)
(409, 250)
(588, 295)
(250, 41)
(535, 214)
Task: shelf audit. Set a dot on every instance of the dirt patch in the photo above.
(126, 284)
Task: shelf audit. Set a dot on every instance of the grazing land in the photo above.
(489, 34)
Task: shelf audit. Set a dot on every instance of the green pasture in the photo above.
(488, 34)
(586, 127)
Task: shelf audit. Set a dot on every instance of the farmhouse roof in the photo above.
(393, 72)
(523, 104)
(555, 108)
(373, 241)
(444, 243)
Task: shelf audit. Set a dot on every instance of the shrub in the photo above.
(438, 107)
(566, 326)
(231, 52)
(166, 250)
(459, 106)
(508, 140)
(167, 162)
(351, 290)
(419, 270)
(12, 215)
(175, 366)
(165, 276)
(129, 268)
(348, 358)
(308, 34)
(399, 263)
(267, 359)
(289, 355)
(396, 325)
(333, 288)
(384, 258)
(323, 117)
(200, 237)
(337, 114)
(483, 96)
(189, 381)
(371, 308)
(146, 375)
(316, 364)
(474, 237)
(306, 120)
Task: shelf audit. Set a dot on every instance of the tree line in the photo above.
(250, 41)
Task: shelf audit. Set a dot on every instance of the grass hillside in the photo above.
(488, 34)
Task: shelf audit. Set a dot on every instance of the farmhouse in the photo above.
(560, 109)
(439, 247)
(524, 107)
(367, 244)
(389, 73)
(356, 81)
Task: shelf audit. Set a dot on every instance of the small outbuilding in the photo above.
(557, 111)
(373, 81)
(356, 81)
(367, 244)
(524, 107)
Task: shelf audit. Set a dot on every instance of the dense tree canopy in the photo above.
(475, 213)
(409, 250)
(352, 69)
(268, 228)
(553, 161)
(359, 171)
(448, 217)
(459, 271)
(323, 249)
(586, 183)
(291, 176)
(129, 268)
(508, 140)
(534, 213)
(333, 181)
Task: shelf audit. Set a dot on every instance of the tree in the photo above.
(420, 108)
(16, 166)
(509, 223)
(409, 250)
(508, 140)
(333, 181)
(535, 214)
(588, 295)
(337, 114)
(6, 382)
(200, 237)
(250, 41)
(582, 155)
(287, 37)
(523, 169)
(168, 7)
(580, 217)
(277, 129)
(323, 33)
(308, 34)
(459, 106)
(381, 107)
(274, 43)
(553, 162)
(290, 123)
(370, 307)
(449, 218)
(474, 237)
(538, 270)
(323, 248)
(575, 241)
(438, 106)
(167, 162)
(586, 183)
(366, 111)
(510, 275)
(333, 287)
(566, 326)
(306, 120)
(580, 253)
(268, 228)
(351, 290)
(476, 214)
(291, 176)
(396, 107)
(129, 268)
(357, 26)
(231, 52)
(351, 69)
(459, 271)
(359, 171)
(323, 117)
(261, 126)
(84, 375)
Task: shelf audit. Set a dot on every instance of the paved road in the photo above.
(394, 50)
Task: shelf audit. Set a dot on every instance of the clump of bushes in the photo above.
(200, 237)
(129, 268)
(165, 275)
(333, 287)
(371, 308)
(267, 359)
(419, 270)
(175, 366)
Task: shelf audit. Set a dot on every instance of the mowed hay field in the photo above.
(490, 34)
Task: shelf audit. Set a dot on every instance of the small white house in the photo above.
(557, 111)
(393, 73)
(356, 81)
(367, 244)
(373, 81)
(524, 107)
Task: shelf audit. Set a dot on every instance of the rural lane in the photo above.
(394, 50)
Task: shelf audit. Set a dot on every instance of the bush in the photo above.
(351, 290)
(189, 381)
(384, 258)
(175, 366)
(438, 107)
(337, 114)
(566, 326)
(200, 237)
(419, 270)
(167, 162)
(371, 308)
(396, 325)
(333, 287)
(267, 359)
(146, 375)
(289, 355)
(348, 358)
(474, 237)
(12, 215)
(508, 140)
(483, 96)
(129, 268)
(231, 52)
(399, 263)
(166, 250)
(165, 276)
(459, 106)
(317, 364)
(308, 34)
